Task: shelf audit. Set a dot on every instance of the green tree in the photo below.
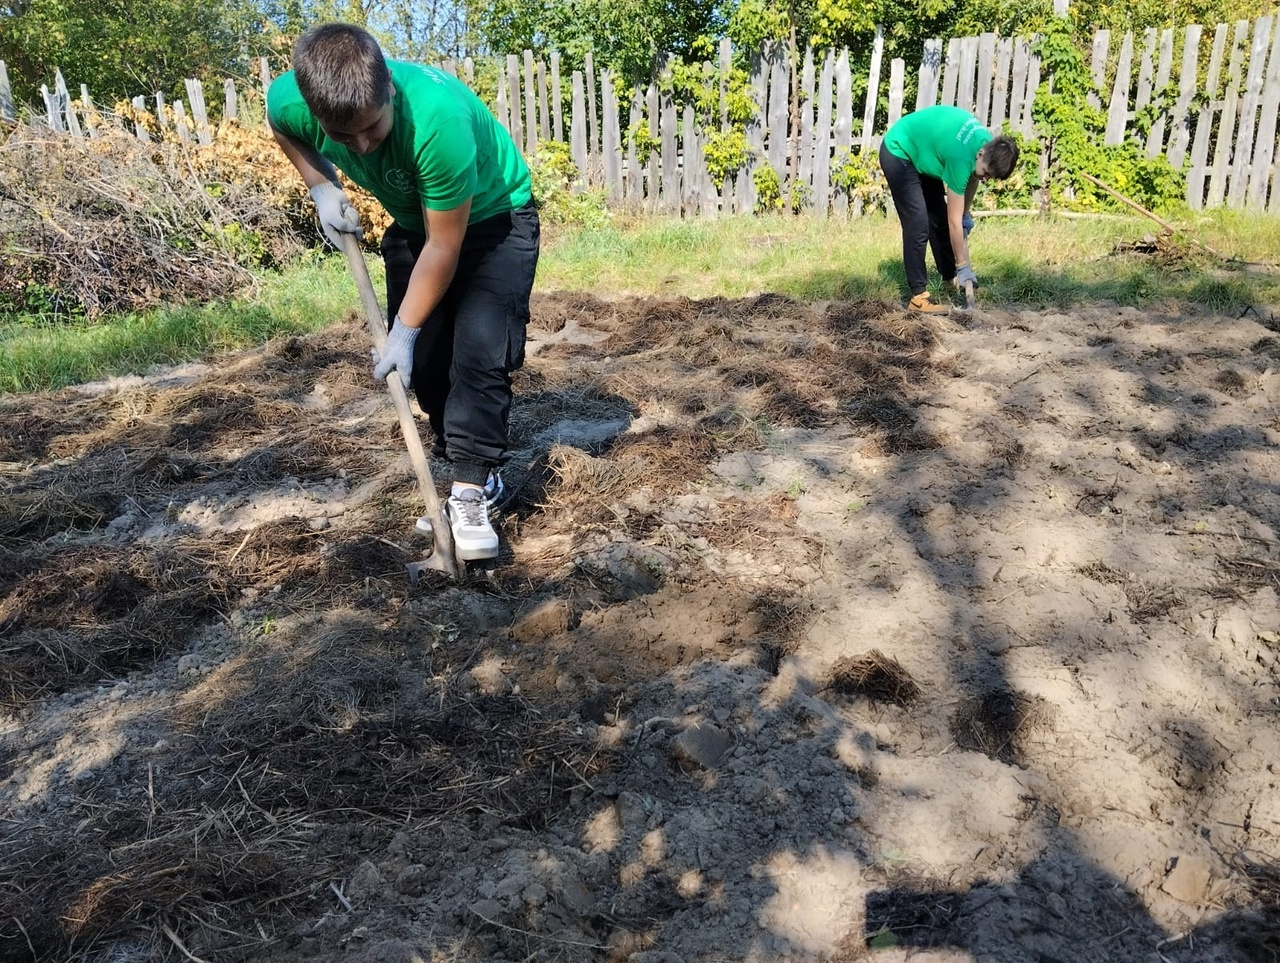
(119, 48)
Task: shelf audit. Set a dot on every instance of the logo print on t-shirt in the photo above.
(402, 180)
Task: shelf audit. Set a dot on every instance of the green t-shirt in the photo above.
(942, 142)
(444, 147)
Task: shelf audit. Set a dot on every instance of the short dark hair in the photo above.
(341, 72)
(1002, 156)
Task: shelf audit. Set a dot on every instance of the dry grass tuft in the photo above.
(873, 676)
(999, 724)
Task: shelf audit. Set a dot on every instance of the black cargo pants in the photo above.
(921, 203)
(468, 348)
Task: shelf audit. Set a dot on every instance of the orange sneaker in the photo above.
(925, 304)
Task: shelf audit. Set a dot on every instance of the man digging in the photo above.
(933, 160)
(460, 257)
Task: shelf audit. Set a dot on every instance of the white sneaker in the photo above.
(473, 535)
(495, 494)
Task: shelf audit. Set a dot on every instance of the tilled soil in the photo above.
(819, 632)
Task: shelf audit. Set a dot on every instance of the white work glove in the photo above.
(397, 353)
(337, 216)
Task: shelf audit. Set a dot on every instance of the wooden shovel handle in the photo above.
(408, 426)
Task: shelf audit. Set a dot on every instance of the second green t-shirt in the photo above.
(444, 147)
(941, 141)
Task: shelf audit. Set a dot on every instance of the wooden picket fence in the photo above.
(1223, 130)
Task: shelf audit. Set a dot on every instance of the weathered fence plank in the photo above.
(230, 101)
(930, 69)
(611, 145)
(1098, 67)
(7, 111)
(593, 122)
(1118, 111)
(1000, 88)
(806, 106)
(1264, 152)
(1155, 139)
(633, 175)
(968, 70)
(1227, 124)
(986, 69)
(1018, 90)
(530, 108)
(873, 91)
(1200, 151)
(578, 124)
(1240, 166)
(544, 118)
(65, 106)
(779, 110)
(199, 113)
(1027, 125)
(513, 100)
(557, 116)
(951, 72)
(897, 77)
(822, 137)
(1180, 130)
(669, 199)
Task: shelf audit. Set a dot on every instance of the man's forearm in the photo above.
(431, 277)
(314, 168)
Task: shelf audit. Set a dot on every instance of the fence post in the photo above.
(7, 113)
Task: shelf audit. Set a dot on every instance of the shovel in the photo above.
(442, 559)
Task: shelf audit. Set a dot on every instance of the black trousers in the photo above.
(474, 339)
(921, 203)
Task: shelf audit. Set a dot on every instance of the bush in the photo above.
(558, 191)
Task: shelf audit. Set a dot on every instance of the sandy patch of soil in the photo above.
(819, 633)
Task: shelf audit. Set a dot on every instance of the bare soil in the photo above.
(819, 633)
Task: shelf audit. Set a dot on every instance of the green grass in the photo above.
(1025, 261)
(40, 353)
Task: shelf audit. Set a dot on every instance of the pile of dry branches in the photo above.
(114, 224)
